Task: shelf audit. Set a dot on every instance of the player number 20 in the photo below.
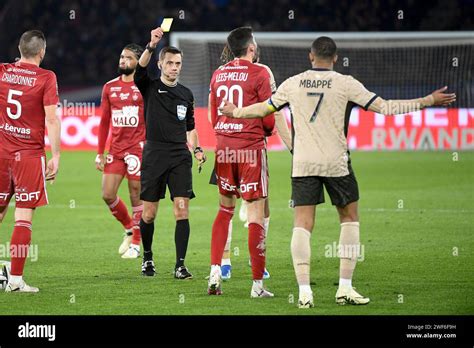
(11, 94)
(228, 94)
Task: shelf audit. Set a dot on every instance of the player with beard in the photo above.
(123, 111)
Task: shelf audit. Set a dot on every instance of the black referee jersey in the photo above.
(169, 111)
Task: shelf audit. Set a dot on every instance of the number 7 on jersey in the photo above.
(318, 105)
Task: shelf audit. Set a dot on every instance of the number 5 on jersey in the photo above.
(10, 100)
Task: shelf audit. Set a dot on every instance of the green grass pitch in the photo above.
(416, 213)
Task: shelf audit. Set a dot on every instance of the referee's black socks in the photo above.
(181, 238)
(147, 231)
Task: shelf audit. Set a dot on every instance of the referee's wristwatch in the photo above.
(198, 149)
(149, 48)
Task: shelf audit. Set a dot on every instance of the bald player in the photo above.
(320, 100)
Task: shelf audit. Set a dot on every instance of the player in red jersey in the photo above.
(241, 160)
(28, 100)
(284, 134)
(123, 111)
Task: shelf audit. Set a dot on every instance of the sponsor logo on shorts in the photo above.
(251, 186)
(133, 164)
(228, 187)
(27, 196)
(3, 196)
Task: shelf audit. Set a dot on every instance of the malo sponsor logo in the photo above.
(126, 117)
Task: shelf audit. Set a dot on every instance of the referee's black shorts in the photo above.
(163, 167)
(309, 190)
(213, 178)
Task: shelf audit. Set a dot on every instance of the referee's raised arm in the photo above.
(141, 78)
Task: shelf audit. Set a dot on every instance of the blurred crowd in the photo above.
(85, 37)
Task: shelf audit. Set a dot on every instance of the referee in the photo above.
(169, 118)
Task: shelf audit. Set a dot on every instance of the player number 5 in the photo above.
(318, 105)
(17, 103)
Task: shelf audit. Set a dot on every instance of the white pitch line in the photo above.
(273, 208)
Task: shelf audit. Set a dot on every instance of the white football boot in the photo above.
(20, 287)
(214, 286)
(258, 291)
(133, 252)
(127, 240)
(305, 300)
(347, 295)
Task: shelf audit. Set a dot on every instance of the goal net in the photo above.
(393, 65)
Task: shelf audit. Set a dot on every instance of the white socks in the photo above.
(15, 279)
(301, 254)
(348, 252)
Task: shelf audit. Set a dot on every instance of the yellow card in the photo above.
(166, 25)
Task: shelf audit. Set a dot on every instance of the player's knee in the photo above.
(108, 197)
(348, 213)
(348, 216)
(181, 211)
(148, 216)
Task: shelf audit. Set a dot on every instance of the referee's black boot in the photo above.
(148, 268)
(182, 273)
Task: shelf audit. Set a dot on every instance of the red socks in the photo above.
(257, 250)
(19, 246)
(119, 210)
(136, 216)
(220, 230)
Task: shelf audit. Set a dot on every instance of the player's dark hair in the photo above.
(169, 49)
(238, 41)
(31, 43)
(136, 49)
(226, 55)
(324, 47)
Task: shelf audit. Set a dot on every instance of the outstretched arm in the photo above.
(393, 107)
(252, 111)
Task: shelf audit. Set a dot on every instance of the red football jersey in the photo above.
(242, 83)
(122, 106)
(25, 89)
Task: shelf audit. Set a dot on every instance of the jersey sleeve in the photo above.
(50, 95)
(264, 92)
(213, 102)
(190, 124)
(104, 120)
(281, 98)
(357, 93)
(141, 79)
